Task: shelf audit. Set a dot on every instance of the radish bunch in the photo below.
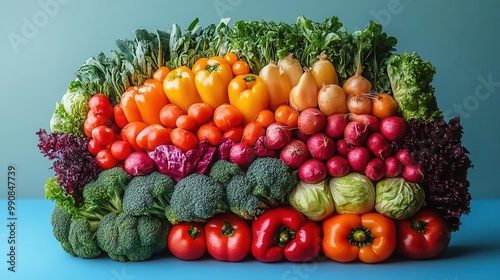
(342, 143)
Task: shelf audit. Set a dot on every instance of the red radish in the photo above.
(139, 163)
(311, 121)
(294, 153)
(277, 136)
(358, 158)
(377, 144)
(369, 120)
(342, 147)
(320, 146)
(338, 166)
(375, 169)
(405, 157)
(242, 154)
(356, 133)
(297, 134)
(413, 173)
(393, 128)
(312, 171)
(335, 125)
(393, 167)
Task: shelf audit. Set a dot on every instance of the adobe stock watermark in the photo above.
(384, 16)
(471, 103)
(221, 7)
(31, 25)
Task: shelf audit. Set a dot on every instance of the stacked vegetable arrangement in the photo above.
(279, 141)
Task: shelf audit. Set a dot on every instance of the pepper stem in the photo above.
(212, 68)
(284, 236)
(249, 79)
(227, 229)
(360, 236)
(418, 226)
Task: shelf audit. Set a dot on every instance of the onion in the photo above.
(291, 66)
(320, 146)
(359, 104)
(384, 105)
(139, 163)
(324, 72)
(332, 99)
(357, 84)
(312, 171)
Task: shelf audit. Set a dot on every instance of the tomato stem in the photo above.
(194, 232)
(360, 236)
(284, 236)
(419, 226)
(227, 229)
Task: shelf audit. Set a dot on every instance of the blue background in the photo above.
(54, 37)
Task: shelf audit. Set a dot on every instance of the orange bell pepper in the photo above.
(212, 81)
(180, 88)
(248, 94)
(369, 237)
(150, 98)
(129, 106)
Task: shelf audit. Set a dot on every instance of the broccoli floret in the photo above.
(61, 222)
(105, 192)
(82, 238)
(222, 171)
(148, 195)
(196, 197)
(132, 238)
(272, 180)
(77, 235)
(241, 200)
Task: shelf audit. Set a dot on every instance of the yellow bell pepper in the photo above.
(248, 94)
(212, 81)
(180, 88)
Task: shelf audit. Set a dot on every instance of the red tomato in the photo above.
(423, 236)
(186, 241)
(153, 136)
(101, 106)
(119, 116)
(103, 135)
(93, 147)
(105, 159)
(228, 237)
(94, 121)
(120, 149)
(227, 116)
(183, 139)
(129, 133)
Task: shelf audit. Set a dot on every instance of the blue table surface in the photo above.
(474, 253)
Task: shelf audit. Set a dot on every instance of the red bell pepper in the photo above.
(228, 237)
(284, 232)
